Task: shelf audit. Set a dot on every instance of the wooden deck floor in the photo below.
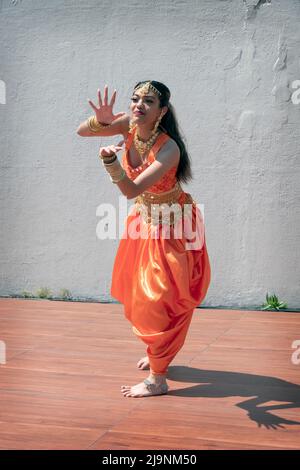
(232, 386)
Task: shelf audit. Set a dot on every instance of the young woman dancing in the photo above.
(163, 274)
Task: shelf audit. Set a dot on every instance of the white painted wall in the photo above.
(230, 68)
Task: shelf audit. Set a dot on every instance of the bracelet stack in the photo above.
(95, 125)
(113, 167)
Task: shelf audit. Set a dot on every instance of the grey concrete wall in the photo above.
(231, 68)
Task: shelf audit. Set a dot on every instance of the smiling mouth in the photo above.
(138, 113)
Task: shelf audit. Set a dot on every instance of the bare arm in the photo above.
(167, 157)
(118, 123)
(118, 126)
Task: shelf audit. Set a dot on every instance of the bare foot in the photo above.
(145, 389)
(143, 363)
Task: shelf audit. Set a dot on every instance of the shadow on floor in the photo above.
(264, 389)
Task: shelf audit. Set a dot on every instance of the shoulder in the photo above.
(172, 145)
(169, 152)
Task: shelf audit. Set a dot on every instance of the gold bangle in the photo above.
(95, 125)
(115, 170)
(122, 176)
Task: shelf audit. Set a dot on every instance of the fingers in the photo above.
(99, 98)
(105, 94)
(119, 145)
(116, 116)
(105, 152)
(113, 98)
(92, 105)
(112, 101)
(110, 149)
(116, 149)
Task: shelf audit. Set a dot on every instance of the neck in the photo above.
(144, 133)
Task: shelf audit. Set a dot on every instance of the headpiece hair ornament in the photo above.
(146, 87)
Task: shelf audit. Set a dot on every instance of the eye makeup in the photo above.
(149, 99)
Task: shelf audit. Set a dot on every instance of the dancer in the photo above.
(161, 271)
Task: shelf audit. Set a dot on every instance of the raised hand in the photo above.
(104, 113)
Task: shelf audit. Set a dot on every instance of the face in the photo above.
(150, 106)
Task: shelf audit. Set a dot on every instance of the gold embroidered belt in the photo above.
(162, 208)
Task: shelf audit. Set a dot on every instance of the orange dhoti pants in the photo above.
(160, 282)
(165, 344)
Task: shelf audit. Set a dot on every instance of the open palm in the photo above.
(104, 111)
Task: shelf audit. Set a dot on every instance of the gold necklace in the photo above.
(143, 147)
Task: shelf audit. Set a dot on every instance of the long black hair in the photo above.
(169, 124)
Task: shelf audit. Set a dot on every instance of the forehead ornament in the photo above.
(146, 87)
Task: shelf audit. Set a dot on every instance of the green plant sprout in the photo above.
(65, 294)
(44, 293)
(26, 294)
(273, 303)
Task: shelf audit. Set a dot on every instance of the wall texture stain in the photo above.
(252, 7)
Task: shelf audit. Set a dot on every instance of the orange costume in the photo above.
(158, 280)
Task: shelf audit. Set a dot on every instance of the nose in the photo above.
(139, 101)
(139, 107)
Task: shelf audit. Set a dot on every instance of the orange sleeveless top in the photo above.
(167, 181)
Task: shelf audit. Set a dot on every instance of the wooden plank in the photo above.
(232, 386)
